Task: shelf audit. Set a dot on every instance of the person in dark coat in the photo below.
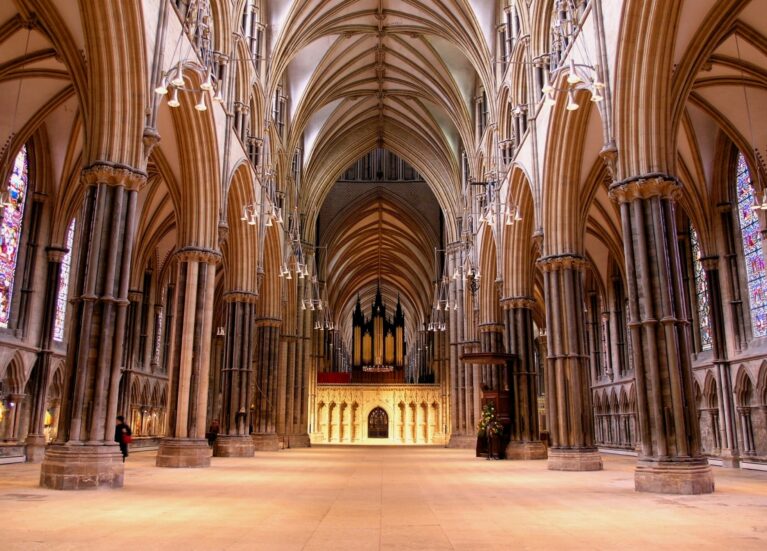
(212, 433)
(121, 431)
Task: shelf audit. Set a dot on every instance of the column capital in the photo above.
(556, 262)
(510, 303)
(198, 254)
(644, 187)
(241, 296)
(134, 295)
(56, 254)
(710, 262)
(223, 232)
(113, 174)
(268, 322)
(491, 327)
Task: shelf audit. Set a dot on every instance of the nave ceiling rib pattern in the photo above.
(402, 74)
(380, 239)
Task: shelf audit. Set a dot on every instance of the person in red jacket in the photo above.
(122, 435)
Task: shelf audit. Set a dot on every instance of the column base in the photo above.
(573, 459)
(266, 442)
(233, 446)
(183, 452)
(86, 467)
(462, 442)
(296, 441)
(674, 477)
(35, 449)
(526, 450)
(729, 459)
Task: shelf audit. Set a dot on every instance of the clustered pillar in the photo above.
(35, 443)
(567, 398)
(234, 438)
(464, 400)
(292, 417)
(189, 364)
(670, 458)
(131, 339)
(85, 454)
(730, 452)
(520, 340)
(265, 435)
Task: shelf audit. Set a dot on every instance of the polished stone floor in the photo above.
(379, 498)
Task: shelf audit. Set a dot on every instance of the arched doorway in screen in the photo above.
(378, 423)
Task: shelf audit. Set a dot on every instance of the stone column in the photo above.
(131, 343)
(189, 365)
(567, 396)
(462, 381)
(154, 362)
(541, 342)
(266, 362)
(301, 437)
(670, 460)
(16, 399)
(42, 374)
(491, 340)
(85, 454)
(729, 452)
(234, 438)
(520, 340)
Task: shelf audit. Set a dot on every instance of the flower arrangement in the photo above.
(489, 425)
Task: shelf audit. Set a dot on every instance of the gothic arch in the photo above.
(762, 385)
(114, 124)
(518, 255)
(197, 140)
(710, 391)
(240, 249)
(489, 301)
(744, 388)
(562, 221)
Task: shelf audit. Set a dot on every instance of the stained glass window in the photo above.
(61, 299)
(701, 293)
(752, 249)
(10, 231)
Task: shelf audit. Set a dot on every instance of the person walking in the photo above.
(212, 433)
(123, 435)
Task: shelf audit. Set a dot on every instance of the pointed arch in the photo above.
(744, 388)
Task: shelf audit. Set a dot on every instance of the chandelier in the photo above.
(196, 26)
(294, 259)
(579, 77)
(315, 297)
(265, 209)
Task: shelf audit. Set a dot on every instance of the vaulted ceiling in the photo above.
(399, 74)
(380, 240)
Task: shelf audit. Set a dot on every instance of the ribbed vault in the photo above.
(379, 239)
(399, 74)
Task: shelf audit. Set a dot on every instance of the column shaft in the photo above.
(94, 354)
(568, 397)
(670, 459)
(266, 368)
(520, 341)
(189, 365)
(234, 438)
(42, 372)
